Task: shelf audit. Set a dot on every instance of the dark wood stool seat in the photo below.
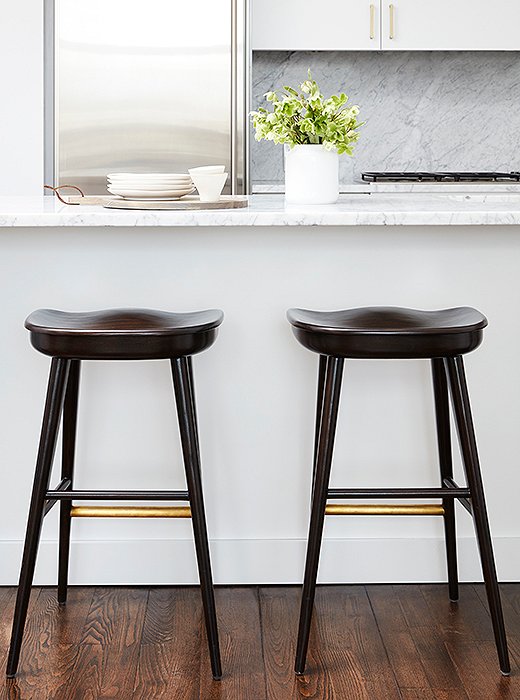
(384, 332)
(389, 332)
(122, 334)
(114, 334)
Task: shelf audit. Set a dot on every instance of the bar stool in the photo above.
(392, 333)
(118, 334)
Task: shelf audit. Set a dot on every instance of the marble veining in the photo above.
(379, 209)
(424, 110)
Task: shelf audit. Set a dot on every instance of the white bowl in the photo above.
(207, 169)
(209, 185)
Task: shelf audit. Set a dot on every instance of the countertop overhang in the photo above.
(413, 209)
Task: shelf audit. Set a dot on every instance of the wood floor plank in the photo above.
(169, 658)
(467, 631)
(111, 641)
(85, 681)
(119, 672)
(477, 666)
(7, 600)
(31, 680)
(350, 645)
(424, 627)
(417, 694)
(238, 612)
(72, 617)
(14, 688)
(509, 592)
(431, 694)
(63, 645)
(279, 610)
(400, 646)
(511, 607)
(466, 619)
(510, 595)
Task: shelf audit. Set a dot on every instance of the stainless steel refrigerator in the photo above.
(145, 85)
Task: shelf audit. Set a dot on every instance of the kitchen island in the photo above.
(256, 386)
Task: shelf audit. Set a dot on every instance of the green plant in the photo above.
(307, 117)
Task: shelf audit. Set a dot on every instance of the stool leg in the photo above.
(185, 400)
(442, 415)
(51, 418)
(327, 432)
(70, 415)
(322, 369)
(468, 444)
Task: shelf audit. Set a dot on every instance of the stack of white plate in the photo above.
(152, 186)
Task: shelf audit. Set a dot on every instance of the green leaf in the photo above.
(307, 117)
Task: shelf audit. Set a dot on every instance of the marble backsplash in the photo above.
(423, 110)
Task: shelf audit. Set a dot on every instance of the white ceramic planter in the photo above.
(311, 175)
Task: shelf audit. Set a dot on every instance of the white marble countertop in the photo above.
(271, 210)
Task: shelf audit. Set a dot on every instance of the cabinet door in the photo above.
(437, 25)
(290, 25)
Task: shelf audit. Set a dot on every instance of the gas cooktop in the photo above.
(440, 177)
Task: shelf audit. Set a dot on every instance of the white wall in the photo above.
(255, 390)
(21, 99)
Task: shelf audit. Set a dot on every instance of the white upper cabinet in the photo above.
(291, 25)
(437, 25)
(396, 25)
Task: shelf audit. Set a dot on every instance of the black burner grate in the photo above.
(440, 177)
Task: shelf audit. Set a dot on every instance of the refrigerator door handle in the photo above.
(239, 96)
(234, 94)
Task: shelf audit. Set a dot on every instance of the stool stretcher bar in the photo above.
(53, 496)
(463, 500)
(130, 512)
(384, 509)
(447, 492)
(61, 495)
(62, 492)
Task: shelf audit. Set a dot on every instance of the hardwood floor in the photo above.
(377, 642)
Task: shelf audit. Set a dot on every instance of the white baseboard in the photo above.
(170, 562)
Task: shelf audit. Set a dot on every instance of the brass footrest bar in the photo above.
(447, 492)
(52, 499)
(60, 495)
(383, 509)
(130, 512)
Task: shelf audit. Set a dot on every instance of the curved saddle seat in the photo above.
(389, 332)
(122, 334)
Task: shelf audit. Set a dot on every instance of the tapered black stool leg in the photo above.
(327, 433)
(468, 444)
(51, 419)
(185, 400)
(70, 416)
(442, 415)
(322, 368)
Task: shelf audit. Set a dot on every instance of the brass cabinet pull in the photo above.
(391, 7)
(372, 20)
